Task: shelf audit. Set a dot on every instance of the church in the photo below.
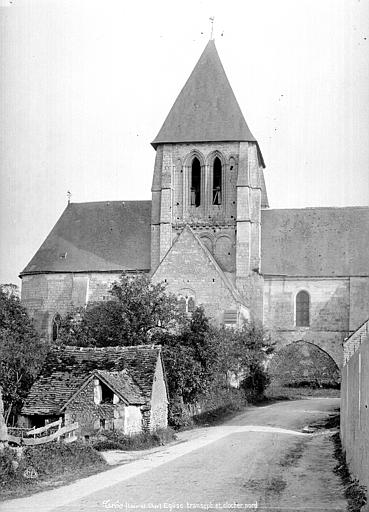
(210, 235)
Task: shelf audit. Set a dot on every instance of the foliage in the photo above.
(53, 458)
(8, 466)
(46, 460)
(190, 357)
(21, 351)
(115, 440)
(137, 308)
(256, 382)
(198, 357)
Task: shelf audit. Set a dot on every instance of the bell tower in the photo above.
(209, 175)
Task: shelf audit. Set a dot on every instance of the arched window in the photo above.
(302, 309)
(56, 327)
(187, 304)
(217, 181)
(195, 182)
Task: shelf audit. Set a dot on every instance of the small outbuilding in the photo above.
(110, 388)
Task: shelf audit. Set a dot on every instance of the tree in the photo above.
(245, 352)
(136, 309)
(190, 357)
(21, 351)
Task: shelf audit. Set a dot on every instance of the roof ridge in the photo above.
(72, 348)
(305, 208)
(108, 201)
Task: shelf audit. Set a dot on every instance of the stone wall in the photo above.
(230, 230)
(45, 295)
(355, 405)
(329, 312)
(187, 270)
(114, 416)
(159, 400)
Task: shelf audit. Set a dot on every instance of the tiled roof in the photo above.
(206, 109)
(66, 369)
(319, 242)
(101, 236)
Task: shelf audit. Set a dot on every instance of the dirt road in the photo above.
(258, 459)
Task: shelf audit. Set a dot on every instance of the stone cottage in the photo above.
(110, 388)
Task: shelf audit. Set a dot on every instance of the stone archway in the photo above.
(303, 363)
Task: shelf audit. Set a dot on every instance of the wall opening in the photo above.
(302, 309)
(302, 363)
(56, 327)
(217, 181)
(195, 182)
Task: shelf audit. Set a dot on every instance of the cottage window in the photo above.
(195, 182)
(302, 309)
(107, 395)
(217, 181)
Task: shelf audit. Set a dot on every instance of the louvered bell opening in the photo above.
(230, 316)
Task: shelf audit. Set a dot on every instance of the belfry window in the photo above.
(302, 309)
(195, 182)
(217, 181)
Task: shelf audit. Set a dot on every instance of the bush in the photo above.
(8, 466)
(115, 440)
(179, 415)
(47, 460)
(221, 402)
(54, 458)
(256, 382)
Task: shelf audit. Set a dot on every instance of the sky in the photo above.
(86, 85)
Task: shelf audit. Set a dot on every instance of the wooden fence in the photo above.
(54, 432)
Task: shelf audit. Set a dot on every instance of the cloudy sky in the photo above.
(86, 85)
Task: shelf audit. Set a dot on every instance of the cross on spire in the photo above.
(212, 27)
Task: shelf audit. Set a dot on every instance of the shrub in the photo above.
(115, 440)
(256, 382)
(178, 415)
(8, 466)
(54, 458)
(49, 459)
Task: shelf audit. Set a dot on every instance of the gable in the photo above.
(189, 265)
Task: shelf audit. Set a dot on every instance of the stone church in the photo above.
(210, 235)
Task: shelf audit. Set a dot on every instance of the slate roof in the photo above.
(206, 109)
(319, 242)
(99, 236)
(67, 368)
(107, 236)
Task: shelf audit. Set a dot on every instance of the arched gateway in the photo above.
(301, 363)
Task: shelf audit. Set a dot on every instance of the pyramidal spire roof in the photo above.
(206, 109)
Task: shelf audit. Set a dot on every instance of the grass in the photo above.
(114, 440)
(46, 466)
(218, 415)
(293, 455)
(354, 492)
(279, 392)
